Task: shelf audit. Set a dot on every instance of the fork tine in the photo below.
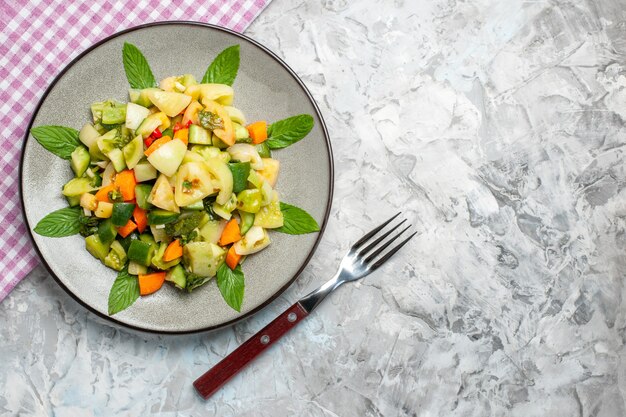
(385, 245)
(391, 252)
(372, 233)
(372, 245)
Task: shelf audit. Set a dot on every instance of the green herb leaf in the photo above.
(231, 284)
(289, 131)
(59, 140)
(296, 221)
(224, 67)
(60, 223)
(124, 292)
(138, 71)
(209, 120)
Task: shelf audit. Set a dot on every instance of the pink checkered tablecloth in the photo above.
(38, 39)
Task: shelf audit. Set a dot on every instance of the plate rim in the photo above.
(323, 225)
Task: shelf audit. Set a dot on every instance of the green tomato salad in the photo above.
(174, 185)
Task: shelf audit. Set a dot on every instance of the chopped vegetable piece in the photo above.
(125, 182)
(258, 132)
(157, 144)
(150, 283)
(231, 233)
(122, 212)
(103, 193)
(232, 258)
(141, 218)
(127, 229)
(104, 210)
(183, 135)
(174, 250)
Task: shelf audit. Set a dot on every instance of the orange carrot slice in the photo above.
(231, 233)
(258, 132)
(150, 283)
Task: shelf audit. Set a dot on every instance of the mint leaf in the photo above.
(296, 221)
(224, 67)
(288, 131)
(59, 140)
(138, 71)
(231, 284)
(60, 223)
(124, 292)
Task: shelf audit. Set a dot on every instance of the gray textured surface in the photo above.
(498, 126)
(263, 90)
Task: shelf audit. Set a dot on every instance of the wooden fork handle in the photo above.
(217, 376)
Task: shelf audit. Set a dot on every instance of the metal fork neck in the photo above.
(312, 300)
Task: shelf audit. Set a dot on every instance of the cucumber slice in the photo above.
(177, 276)
(240, 171)
(247, 221)
(269, 217)
(77, 186)
(95, 153)
(198, 205)
(80, 160)
(126, 241)
(135, 268)
(114, 115)
(159, 263)
(107, 231)
(158, 216)
(133, 152)
(203, 258)
(117, 159)
(145, 172)
(73, 201)
(96, 247)
(235, 115)
(241, 134)
(142, 191)
(135, 115)
(148, 125)
(212, 230)
(141, 252)
(108, 142)
(122, 212)
(141, 96)
(88, 135)
(199, 135)
(146, 238)
(264, 150)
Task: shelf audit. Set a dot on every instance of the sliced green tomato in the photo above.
(133, 152)
(255, 240)
(142, 192)
(220, 211)
(159, 234)
(224, 178)
(244, 152)
(107, 231)
(192, 157)
(116, 259)
(212, 230)
(240, 172)
(199, 135)
(270, 170)
(96, 247)
(255, 179)
(141, 252)
(117, 159)
(198, 205)
(95, 153)
(108, 141)
(114, 115)
(135, 115)
(209, 152)
(227, 133)
(264, 150)
(156, 217)
(108, 174)
(169, 102)
(221, 93)
(235, 115)
(141, 96)
(269, 217)
(80, 160)
(77, 187)
(168, 157)
(162, 195)
(247, 221)
(177, 276)
(122, 212)
(218, 143)
(203, 258)
(144, 171)
(193, 183)
(88, 135)
(249, 201)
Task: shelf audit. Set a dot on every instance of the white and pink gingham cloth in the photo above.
(38, 39)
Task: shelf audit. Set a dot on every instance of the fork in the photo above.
(363, 258)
